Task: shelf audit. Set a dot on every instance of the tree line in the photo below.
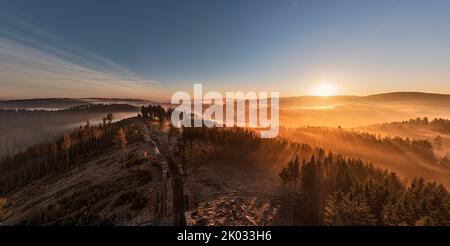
(436, 124)
(421, 147)
(155, 112)
(66, 152)
(229, 144)
(333, 190)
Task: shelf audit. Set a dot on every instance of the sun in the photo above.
(324, 89)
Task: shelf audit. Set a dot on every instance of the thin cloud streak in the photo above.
(35, 63)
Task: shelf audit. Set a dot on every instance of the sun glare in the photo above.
(324, 90)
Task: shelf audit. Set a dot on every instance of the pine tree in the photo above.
(293, 168)
(285, 177)
(345, 210)
(438, 141)
(332, 210)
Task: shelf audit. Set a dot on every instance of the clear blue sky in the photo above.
(144, 48)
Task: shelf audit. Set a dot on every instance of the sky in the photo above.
(151, 49)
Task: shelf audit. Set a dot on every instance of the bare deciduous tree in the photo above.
(121, 136)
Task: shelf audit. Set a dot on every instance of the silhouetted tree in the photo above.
(348, 210)
(438, 141)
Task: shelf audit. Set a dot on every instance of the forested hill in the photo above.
(22, 128)
(66, 103)
(327, 188)
(314, 187)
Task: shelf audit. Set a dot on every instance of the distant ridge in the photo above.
(39, 100)
(44, 103)
(61, 103)
(409, 96)
(382, 97)
(64, 103)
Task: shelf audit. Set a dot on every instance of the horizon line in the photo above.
(168, 99)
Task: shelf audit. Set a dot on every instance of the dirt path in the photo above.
(179, 208)
(176, 178)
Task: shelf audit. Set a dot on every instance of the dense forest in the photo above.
(437, 124)
(317, 187)
(66, 152)
(398, 145)
(325, 188)
(332, 190)
(75, 147)
(409, 157)
(22, 128)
